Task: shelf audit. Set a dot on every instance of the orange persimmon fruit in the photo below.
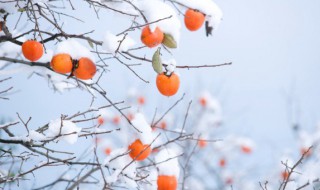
(141, 100)
(100, 120)
(166, 182)
(246, 149)
(168, 85)
(305, 151)
(61, 63)
(202, 143)
(163, 125)
(32, 50)
(151, 39)
(222, 162)
(85, 69)
(137, 148)
(203, 101)
(107, 151)
(116, 120)
(193, 19)
(285, 175)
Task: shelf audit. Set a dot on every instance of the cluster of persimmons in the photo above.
(168, 85)
(84, 69)
(62, 63)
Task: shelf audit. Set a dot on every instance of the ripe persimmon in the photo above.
(151, 39)
(166, 182)
(203, 101)
(246, 149)
(130, 116)
(32, 50)
(285, 175)
(163, 125)
(222, 162)
(116, 120)
(141, 100)
(202, 143)
(85, 69)
(305, 151)
(193, 19)
(107, 151)
(61, 63)
(168, 85)
(137, 148)
(100, 120)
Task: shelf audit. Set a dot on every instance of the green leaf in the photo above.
(21, 9)
(90, 44)
(156, 61)
(169, 41)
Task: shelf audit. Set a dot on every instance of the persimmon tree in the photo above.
(144, 158)
(121, 146)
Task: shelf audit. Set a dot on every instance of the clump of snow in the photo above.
(167, 162)
(132, 92)
(212, 103)
(106, 113)
(145, 135)
(67, 129)
(193, 183)
(208, 7)
(306, 139)
(74, 49)
(169, 65)
(152, 177)
(243, 141)
(116, 161)
(212, 113)
(35, 136)
(155, 10)
(8, 48)
(61, 86)
(111, 43)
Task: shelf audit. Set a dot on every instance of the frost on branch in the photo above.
(64, 129)
(75, 49)
(112, 43)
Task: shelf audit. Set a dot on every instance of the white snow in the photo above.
(111, 43)
(74, 49)
(243, 141)
(155, 10)
(208, 7)
(116, 162)
(35, 136)
(306, 139)
(152, 179)
(193, 183)
(167, 162)
(8, 48)
(170, 65)
(64, 128)
(8, 123)
(145, 135)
